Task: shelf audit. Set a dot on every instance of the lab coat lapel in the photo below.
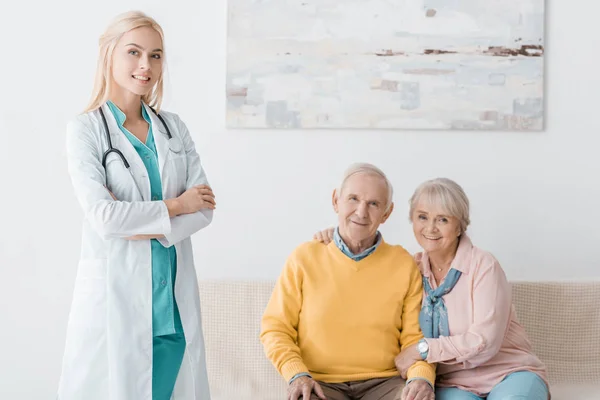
(121, 143)
(161, 140)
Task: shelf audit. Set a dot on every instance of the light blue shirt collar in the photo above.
(120, 115)
(339, 242)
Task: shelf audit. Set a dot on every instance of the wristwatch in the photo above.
(423, 348)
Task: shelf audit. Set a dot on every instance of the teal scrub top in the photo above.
(165, 314)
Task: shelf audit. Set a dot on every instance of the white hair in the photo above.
(369, 169)
(446, 194)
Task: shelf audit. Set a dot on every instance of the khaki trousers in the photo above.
(371, 389)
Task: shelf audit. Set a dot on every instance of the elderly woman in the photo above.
(467, 316)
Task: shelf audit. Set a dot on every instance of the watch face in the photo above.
(422, 347)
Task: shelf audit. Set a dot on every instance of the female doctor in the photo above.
(134, 330)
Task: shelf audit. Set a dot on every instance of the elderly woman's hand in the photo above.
(418, 390)
(303, 387)
(324, 236)
(406, 359)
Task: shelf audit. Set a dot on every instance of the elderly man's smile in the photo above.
(360, 224)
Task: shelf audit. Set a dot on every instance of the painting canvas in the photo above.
(386, 64)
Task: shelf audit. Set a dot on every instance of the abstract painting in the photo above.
(386, 64)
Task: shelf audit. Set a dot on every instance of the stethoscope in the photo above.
(174, 143)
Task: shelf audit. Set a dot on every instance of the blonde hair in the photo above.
(122, 24)
(369, 169)
(446, 194)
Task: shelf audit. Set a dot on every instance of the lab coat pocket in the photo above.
(89, 297)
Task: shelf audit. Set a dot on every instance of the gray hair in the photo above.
(446, 194)
(369, 169)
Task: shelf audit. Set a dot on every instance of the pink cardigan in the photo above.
(486, 341)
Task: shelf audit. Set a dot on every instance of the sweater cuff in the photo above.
(292, 368)
(422, 370)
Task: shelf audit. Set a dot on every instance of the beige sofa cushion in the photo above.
(563, 323)
(562, 320)
(237, 366)
(580, 391)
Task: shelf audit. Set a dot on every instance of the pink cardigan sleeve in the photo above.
(492, 303)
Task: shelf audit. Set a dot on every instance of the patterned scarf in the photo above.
(434, 316)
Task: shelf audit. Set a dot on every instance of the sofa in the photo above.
(562, 320)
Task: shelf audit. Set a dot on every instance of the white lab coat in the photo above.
(108, 354)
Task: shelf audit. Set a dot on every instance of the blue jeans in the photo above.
(522, 385)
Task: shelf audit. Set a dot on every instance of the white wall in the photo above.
(534, 195)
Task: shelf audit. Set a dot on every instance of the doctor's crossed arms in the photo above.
(192, 200)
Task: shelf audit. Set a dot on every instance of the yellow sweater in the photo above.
(343, 320)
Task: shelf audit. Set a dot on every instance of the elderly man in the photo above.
(340, 314)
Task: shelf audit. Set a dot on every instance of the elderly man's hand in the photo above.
(303, 387)
(418, 390)
(406, 359)
(324, 236)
